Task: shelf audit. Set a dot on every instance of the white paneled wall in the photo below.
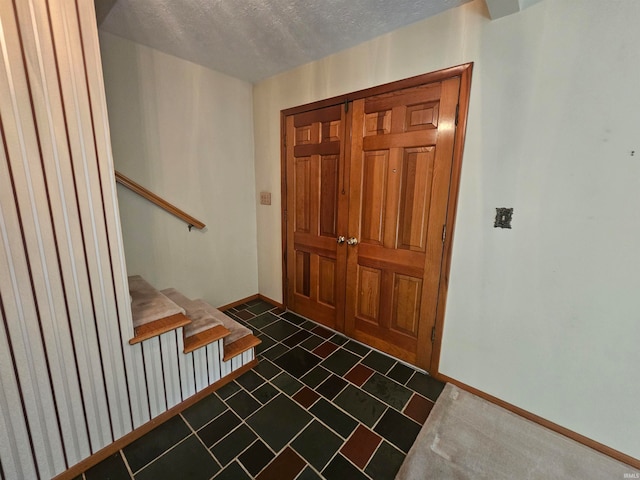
(70, 383)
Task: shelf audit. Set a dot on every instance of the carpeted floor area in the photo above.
(467, 437)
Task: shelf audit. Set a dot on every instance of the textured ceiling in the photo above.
(254, 39)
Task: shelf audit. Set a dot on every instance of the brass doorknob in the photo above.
(340, 240)
(352, 241)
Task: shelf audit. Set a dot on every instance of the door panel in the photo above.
(315, 162)
(401, 158)
(378, 171)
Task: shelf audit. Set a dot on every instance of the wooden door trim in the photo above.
(432, 77)
(452, 210)
(464, 71)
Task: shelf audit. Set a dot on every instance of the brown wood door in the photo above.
(400, 170)
(316, 212)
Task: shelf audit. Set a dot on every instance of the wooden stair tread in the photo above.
(239, 346)
(158, 327)
(204, 338)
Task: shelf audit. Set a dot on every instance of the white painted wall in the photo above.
(546, 315)
(185, 132)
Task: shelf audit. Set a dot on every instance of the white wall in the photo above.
(185, 132)
(546, 315)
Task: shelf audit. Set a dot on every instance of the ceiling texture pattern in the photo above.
(255, 39)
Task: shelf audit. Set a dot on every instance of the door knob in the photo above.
(352, 241)
(340, 240)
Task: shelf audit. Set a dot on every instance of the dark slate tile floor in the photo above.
(318, 406)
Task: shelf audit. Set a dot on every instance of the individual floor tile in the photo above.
(297, 361)
(287, 383)
(227, 390)
(398, 429)
(265, 393)
(267, 369)
(306, 397)
(331, 386)
(275, 351)
(335, 419)
(308, 325)
(233, 444)
(277, 311)
(219, 428)
(361, 446)
(267, 343)
(418, 408)
(341, 469)
(233, 471)
(400, 373)
(317, 444)
(357, 348)
(285, 466)
(426, 386)
(378, 362)
(261, 321)
(388, 391)
(112, 467)
(322, 332)
(279, 421)
(256, 457)
(339, 339)
(385, 463)
(316, 376)
(359, 374)
(250, 380)
(293, 318)
(280, 329)
(340, 361)
(243, 404)
(361, 405)
(259, 308)
(157, 441)
(244, 314)
(308, 474)
(188, 459)
(312, 342)
(204, 411)
(297, 338)
(326, 349)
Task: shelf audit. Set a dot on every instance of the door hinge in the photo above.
(346, 105)
(285, 137)
(433, 334)
(285, 215)
(457, 112)
(444, 232)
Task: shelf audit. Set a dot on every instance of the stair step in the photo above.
(237, 331)
(239, 346)
(153, 313)
(202, 339)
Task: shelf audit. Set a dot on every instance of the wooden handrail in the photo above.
(153, 198)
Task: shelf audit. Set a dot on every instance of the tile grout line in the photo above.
(200, 440)
(126, 462)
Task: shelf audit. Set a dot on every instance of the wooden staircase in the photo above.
(200, 324)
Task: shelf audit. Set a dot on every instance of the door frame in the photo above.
(464, 72)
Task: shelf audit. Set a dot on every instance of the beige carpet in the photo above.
(466, 437)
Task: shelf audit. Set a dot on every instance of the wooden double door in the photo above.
(370, 187)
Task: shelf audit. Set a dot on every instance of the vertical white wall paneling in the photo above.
(134, 378)
(185, 364)
(200, 366)
(153, 369)
(171, 369)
